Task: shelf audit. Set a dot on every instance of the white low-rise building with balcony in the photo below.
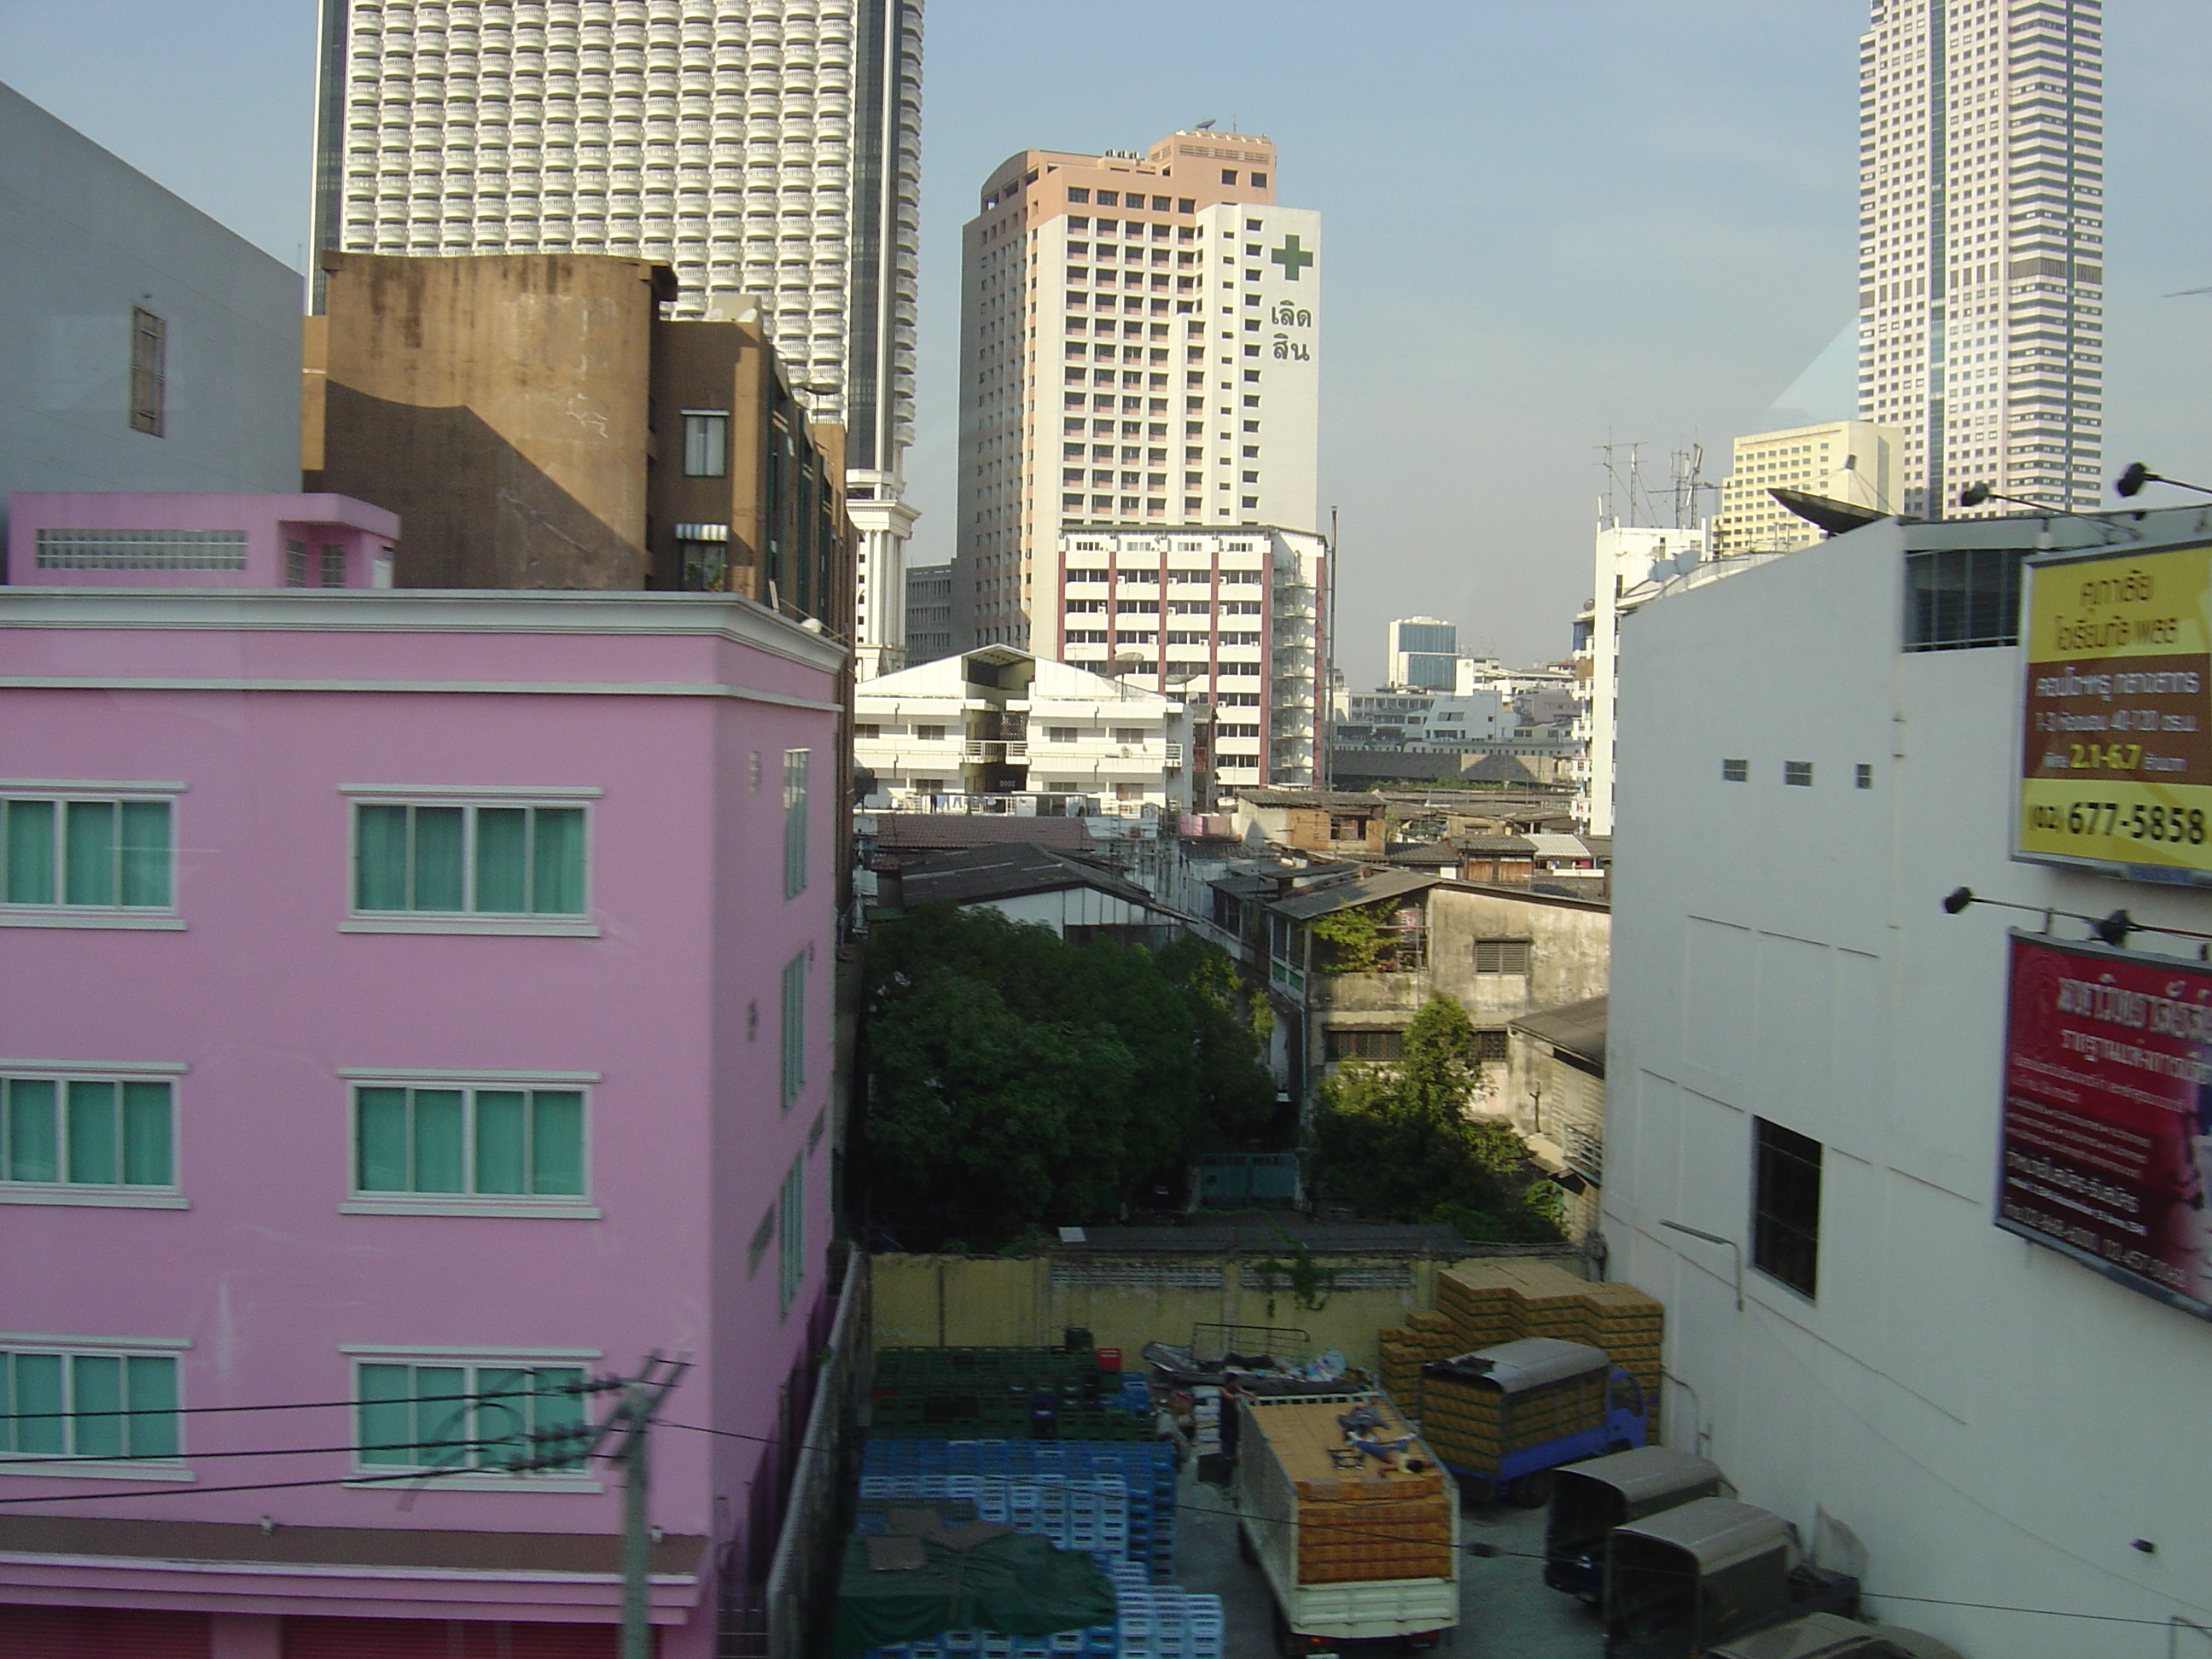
(997, 723)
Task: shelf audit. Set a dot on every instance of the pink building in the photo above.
(119, 539)
(423, 1002)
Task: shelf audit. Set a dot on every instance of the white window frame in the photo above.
(388, 1476)
(568, 1206)
(790, 1236)
(162, 918)
(358, 795)
(791, 1037)
(797, 819)
(46, 1465)
(87, 1195)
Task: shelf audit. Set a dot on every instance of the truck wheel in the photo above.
(1530, 1492)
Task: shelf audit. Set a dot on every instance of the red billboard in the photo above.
(2107, 1152)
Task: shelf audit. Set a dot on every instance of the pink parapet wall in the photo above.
(146, 540)
(629, 976)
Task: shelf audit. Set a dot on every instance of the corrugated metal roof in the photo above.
(1557, 846)
(1520, 845)
(1309, 797)
(981, 873)
(1344, 895)
(1576, 1027)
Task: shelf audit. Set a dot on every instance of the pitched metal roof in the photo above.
(1576, 1027)
(981, 873)
(1309, 797)
(1371, 889)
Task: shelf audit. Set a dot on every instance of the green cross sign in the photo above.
(1292, 257)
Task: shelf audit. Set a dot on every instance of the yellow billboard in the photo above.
(2116, 763)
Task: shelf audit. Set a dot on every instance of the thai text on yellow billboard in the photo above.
(2115, 763)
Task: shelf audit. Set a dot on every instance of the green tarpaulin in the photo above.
(1017, 1585)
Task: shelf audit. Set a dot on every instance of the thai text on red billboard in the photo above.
(2107, 1149)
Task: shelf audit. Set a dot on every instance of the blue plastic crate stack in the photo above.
(1085, 1513)
(1150, 1621)
(900, 1470)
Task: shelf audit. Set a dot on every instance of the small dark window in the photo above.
(1229, 176)
(1259, 181)
(1366, 1045)
(1865, 776)
(1490, 1044)
(1736, 771)
(1799, 772)
(1348, 828)
(295, 564)
(1186, 204)
(1251, 224)
(706, 446)
(1785, 1205)
(1077, 193)
(1159, 204)
(149, 353)
(332, 568)
(1109, 198)
(1960, 599)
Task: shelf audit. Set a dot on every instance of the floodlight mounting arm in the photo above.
(2112, 930)
(2130, 483)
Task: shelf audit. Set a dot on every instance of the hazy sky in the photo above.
(1549, 221)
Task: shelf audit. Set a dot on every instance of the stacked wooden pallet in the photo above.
(1352, 1530)
(1426, 1334)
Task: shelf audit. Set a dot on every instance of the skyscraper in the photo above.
(1138, 352)
(1423, 654)
(768, 150)
(1981, 246)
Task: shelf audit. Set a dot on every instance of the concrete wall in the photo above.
(499, 405)
(1995, 1422)
(949, 1301)
(84, 240)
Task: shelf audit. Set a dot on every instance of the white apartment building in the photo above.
(1851, 461)
(1808, 1062)
(1232, 617)
(1633, 565)
(768, 151)
(1139, 351)
(1981, 246)
(1426, 719)
(999, 722)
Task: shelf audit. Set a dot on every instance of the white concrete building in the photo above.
(1633, 566)
(997, 722)
(1422, 654)
(768, 150)
(1982, 246)
(1139, 351)
(143, 346)
(1232, 617)
(1806, 1062)
(1415, 720)
(1851, 461)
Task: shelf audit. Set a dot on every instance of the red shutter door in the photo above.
(443, 1638)
(35, 1632)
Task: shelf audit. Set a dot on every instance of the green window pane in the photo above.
(39, 1424)
(558, 1405)
(90, 857)
(444, 1412)
(501, 1158)
(146, 852)
(503, 858)
(150, 1391)
(380, 1140)
(96, 1397)
(557, 872)
(387, 1420)
(34, 1144)
(441, 1145)
(93, 1154)
(379, 858)
(556, 1141)
(438, 857)
(502, 1415)
(146, 1132)
(30, 876)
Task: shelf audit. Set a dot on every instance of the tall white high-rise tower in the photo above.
(768, 150)
(1981, 246)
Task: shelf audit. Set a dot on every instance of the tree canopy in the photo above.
(1396, 1143)
(1017, 1079)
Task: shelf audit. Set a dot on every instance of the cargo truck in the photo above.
(1506, 1417)
(1351, 1518)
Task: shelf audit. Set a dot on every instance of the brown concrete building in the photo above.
(537, 421)
(1335, 822)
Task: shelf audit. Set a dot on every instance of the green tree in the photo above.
(1395, 1140)
(1015, 1078)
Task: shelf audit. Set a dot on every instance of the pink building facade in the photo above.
(101, 538)
(414, 1003)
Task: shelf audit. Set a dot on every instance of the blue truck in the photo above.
(1502, 1418)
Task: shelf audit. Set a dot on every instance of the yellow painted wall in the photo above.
(949, 1301)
